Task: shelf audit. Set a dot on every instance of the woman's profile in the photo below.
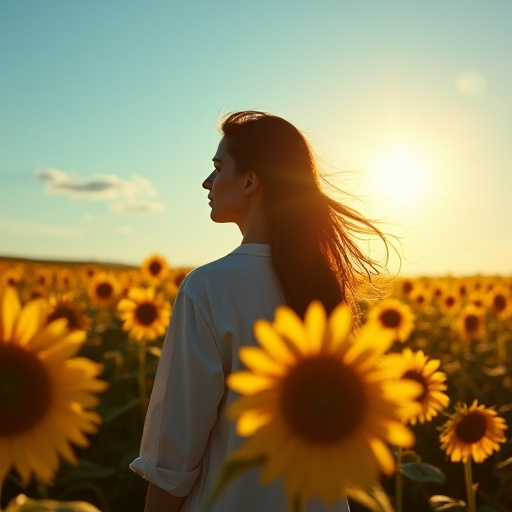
(298, 245)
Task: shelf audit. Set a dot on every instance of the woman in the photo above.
(298, 245)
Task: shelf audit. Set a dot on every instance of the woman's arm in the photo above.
(161, 501)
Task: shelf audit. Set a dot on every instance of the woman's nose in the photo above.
(207, 183)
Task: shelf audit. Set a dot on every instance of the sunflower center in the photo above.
(62, 311)
(500, 303)
(104, 290)
(155, 267)
(450, 301)
(25, 390)
(407, 287)
(471, 323)
(390, 318)
(472, 428)
(418, 377)
(322, 400)
(146, 313)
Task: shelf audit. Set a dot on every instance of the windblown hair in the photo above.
(313, 238)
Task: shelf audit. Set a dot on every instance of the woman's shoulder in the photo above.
(243, 260)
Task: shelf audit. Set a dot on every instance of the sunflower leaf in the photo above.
(113, 413)
(422, 472)
(23, 504)
(86, 470)
(440, 503)
(231, 469)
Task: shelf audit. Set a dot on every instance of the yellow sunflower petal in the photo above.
(339, 325)
(10, 308)
(259, 361)
(248, 383)
(288, 325)
(314, 322)
(250, 422)
(28, 322)
(272, 342)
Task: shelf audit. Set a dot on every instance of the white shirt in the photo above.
(186, 434)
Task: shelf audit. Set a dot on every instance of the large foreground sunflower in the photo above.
(45, 397)
(145, 314)
(474, 432)
(318, 408)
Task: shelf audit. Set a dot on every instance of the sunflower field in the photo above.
(80, 344)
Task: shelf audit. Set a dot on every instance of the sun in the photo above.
(398, 176)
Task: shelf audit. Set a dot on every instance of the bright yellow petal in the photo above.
(289, 325)
(250, 422)
(383, 455)
(10, 308)
(315, 322)
(339, 325)
(272, 342)
(248, 383)
(259, 361)
(29, 321)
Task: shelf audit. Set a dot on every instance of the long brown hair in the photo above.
(312, 236)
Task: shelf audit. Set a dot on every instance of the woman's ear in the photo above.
(252, 182)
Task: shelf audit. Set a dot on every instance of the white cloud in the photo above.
(134, 195)
(138, 206)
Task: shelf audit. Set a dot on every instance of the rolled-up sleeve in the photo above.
(188, 388)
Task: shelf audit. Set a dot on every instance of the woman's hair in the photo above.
(313, 238)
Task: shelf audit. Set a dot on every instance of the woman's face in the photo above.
(226, 189)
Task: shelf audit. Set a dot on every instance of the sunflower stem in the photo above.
(500, 341)
(297, 505)
(399, 482)
(42, 490)
(469, 486)
(142, 376)
(463, 376)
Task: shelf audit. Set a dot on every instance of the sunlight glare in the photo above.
(398, 176)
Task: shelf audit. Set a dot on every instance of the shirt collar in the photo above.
(253, 249)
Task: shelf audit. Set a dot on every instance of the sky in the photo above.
(109, 114)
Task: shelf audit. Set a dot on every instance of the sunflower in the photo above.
(64, 306)
(104, 288)
(478, 299)
(66, 279)
(145, 314)
(418, 367)
(473, 431)
(421, 297)
(405, 287)
(42, 276)
(332, 441)
(500, 301)
(45, 397)
(89, 271)
(471, 323)
(12, 276)
(394, 316)
(155, 267)
(449, 302)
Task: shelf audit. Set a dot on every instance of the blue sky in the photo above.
(109, 110)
